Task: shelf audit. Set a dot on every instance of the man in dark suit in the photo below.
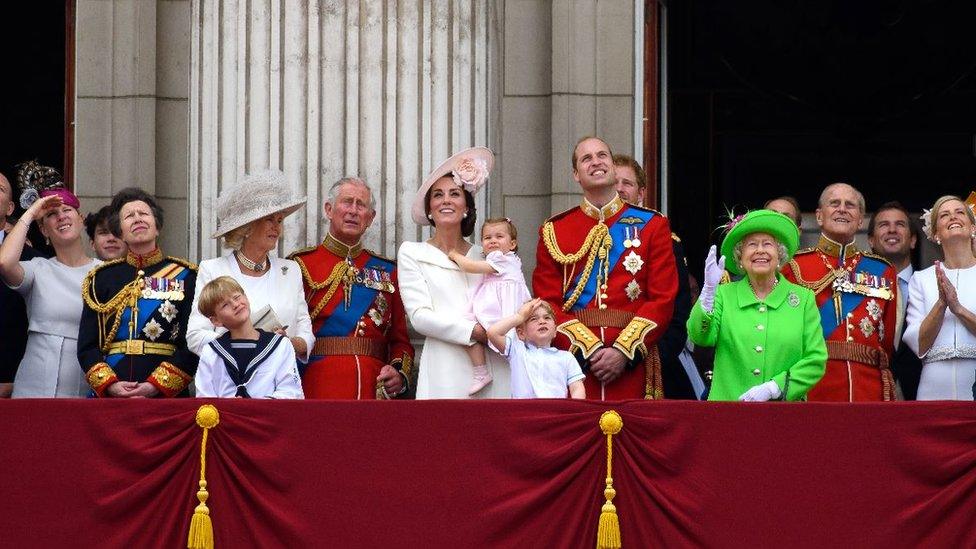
(893, 235)
(13, 314)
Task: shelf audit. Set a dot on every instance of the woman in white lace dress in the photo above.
(941, 304)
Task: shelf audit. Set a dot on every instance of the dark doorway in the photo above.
(32, 97)
(768, 98)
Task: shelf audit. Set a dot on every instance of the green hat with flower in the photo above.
(781, 227)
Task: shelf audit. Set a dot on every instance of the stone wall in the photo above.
(132, 86)
(181, 97)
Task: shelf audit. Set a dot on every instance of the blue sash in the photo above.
(146, 309)
(848, 302)
(618, 233)
(342, 321)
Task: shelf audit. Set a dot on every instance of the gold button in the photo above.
(165, 377)
(602, 306)
(762, 308)
(758, 348)
(760, 327)
(850, 314)
(101, 375)
(850, 338)
(756, 372)
(603, 296)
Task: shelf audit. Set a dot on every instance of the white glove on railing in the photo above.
(762, 393)
(713, 275)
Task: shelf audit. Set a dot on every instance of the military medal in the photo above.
(152, 329)
(168, 310)
(633, 290)
(636, 241)
(627, 242)
(633, 263)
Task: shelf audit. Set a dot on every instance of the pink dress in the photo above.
(500, 295)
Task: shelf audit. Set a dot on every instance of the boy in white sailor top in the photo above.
(244, 362)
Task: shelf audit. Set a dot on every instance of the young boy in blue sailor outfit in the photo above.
(244, 362)
(539, 370)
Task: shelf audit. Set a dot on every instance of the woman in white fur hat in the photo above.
(249, 219)
(436, 292)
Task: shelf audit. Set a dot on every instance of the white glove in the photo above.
(713, 275)
(762, 393)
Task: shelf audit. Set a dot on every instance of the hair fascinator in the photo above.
(36, 181)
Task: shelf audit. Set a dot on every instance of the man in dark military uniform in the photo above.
(132, 338)
(362, 349)
(608, 270)
(857, 293)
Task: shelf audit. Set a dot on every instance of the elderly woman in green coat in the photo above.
(766, 330)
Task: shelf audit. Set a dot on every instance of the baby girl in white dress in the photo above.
(502, 290)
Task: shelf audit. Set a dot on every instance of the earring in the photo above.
(430, 216)
(47, 241)
(938, 241)
(465, 216)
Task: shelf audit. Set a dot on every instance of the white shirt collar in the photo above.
(906, 273)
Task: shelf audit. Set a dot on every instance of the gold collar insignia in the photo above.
(143, 261)
(601, 214)
(340, 248)
(833, 249)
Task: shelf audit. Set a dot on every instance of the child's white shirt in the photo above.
(539, 372)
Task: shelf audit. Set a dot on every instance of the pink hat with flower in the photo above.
(470, 169)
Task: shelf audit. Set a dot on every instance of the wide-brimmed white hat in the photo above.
(470, 167)
(253, 197)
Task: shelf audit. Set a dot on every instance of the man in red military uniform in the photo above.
(361, 349)
(857, 295)
(608, 270)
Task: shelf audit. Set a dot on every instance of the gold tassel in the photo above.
(201, 527)
(608, 532)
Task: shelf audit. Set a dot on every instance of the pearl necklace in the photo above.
(251, 265)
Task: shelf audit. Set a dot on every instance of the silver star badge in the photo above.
(152, 329)
(168, 310)
(633, 263)
(633, 290)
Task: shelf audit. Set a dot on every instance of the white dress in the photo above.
(949, 366)
(281, 287)
(435, 295)
(52, 292)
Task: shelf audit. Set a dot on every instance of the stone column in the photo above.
(382, 89)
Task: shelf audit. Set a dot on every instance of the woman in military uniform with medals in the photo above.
(132, 339)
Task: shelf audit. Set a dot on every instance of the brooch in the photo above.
(793, 300)
(633, 263)
(633, 290)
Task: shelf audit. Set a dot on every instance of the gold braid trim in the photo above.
(126, 297)
(596, 244)
(333, 281)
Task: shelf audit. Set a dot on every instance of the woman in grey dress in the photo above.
(51, 287)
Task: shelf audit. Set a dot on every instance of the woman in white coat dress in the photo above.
(942, 305)
(436, 292)
(249, 218)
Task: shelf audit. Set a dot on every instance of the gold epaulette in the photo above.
(816, 285)
(184, 262)
(805, 251)
(646, 209)
(301, 251)
(378, 256)
(100, 266)
(873, 255)
(561, 214)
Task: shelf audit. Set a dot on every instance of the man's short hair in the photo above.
(98, 219)
(355, 181)
(793, 202)
(624, 160)
(216, 291)
(857, 193)
(132, 194)
(584, 138)
(894, 205)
